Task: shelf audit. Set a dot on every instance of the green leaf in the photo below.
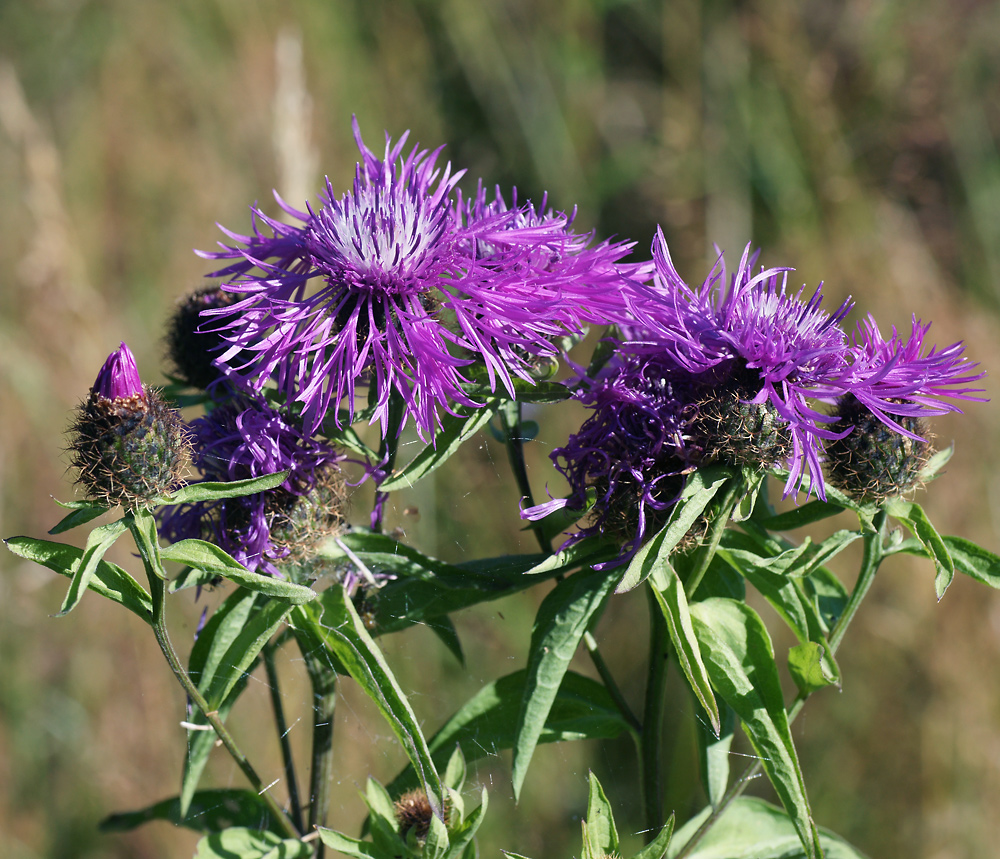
(209, 811)
(935, 464)
(348, 846)
(108, 580)
(333, 626)
(81, 515)
(669, 593)
(740, 660)
(225, 650)
(973, 560)
(657, 848)
(826, 595)
(600, 837)
(211, 559)
(913, 517)
(809, 668)
(455, 431)
(561, 621)
(586, 553)
(99, 541)
(813, 511)
(714, 751)
(460, 836)
(250, 844)
(425, 588)
(751, 827)
(348, 438)
(485, 724)
(216, 491)
(701, 488)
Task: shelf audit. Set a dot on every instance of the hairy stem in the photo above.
(651, 739)
(324, 687)
(158, 589)
(510, 420)
(282, 727)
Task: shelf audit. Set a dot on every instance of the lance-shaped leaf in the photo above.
(81, 512)
(215, 491)
(211, 559)
(740, 660)
(333, 626)
(143, 527)
(657, 848)
(754, 828)
(353, 847)
(600, 837)
(210, 811)
(974, 560)
(108, 580)
(913, 517)
(226, 649)
(669, 593)
(700, 489)
(562, 619)
(455, 431)
(485, 724)
(808, 666)
(714, 752)
(799, 517)
(99, 541)
(251, 844)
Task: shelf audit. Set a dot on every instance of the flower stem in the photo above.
(651, 738)
(874, 552)
(158, 589)
(510, 420)
(286, 746)
(324, 687)
(609, 683)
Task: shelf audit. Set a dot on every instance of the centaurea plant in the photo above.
(399, 300)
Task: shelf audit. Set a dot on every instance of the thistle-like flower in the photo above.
(396, 287)
(128, 445)
(768, 357)
(246, 438)
(882, 441)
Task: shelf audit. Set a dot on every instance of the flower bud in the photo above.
(127, 444)
(874, 462)
(414, 812)
(190, 350)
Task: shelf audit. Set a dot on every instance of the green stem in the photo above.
(510, 420)
(651, 739)
(286, 746)
(324, 687)
(387, 452)
(158, 589)
(874, 552)
(609, 682)
(707, 550)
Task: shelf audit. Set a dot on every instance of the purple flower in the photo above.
(766, 347)
(632, 450)
(119, 377)
(893, 377)
(243, 439)
(397, 287)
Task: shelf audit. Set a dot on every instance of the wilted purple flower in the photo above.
(760, 344)
(392, 286)
(242, 439)
(892, 377)
(119, 377)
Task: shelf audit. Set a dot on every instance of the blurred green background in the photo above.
(855, 141)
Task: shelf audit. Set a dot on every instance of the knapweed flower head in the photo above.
(894, 386)
(392, 287)
(191, 350)
(769, 357)
(247, 438)
(127, 444)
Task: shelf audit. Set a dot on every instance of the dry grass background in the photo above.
(855, 141)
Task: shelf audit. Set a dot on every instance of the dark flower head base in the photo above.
(191, 350)
(395, 287)
(127, 444)
(247, 438)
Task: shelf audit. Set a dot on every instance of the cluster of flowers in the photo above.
(428, 300)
